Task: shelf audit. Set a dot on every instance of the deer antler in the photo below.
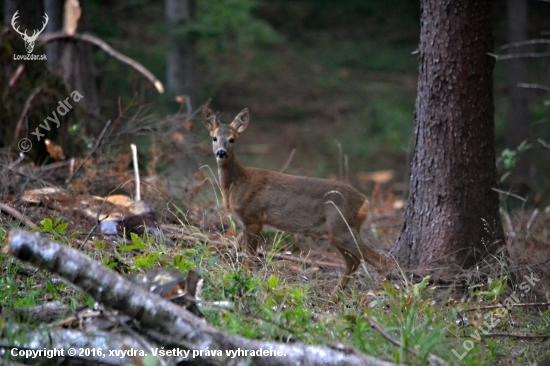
(15, 16)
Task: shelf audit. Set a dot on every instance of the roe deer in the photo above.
(258, 197)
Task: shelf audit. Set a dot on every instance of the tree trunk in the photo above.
(180, 68)
(54, 9)
(78, 72)
(452, 219)
(10, 7)
(518, 111)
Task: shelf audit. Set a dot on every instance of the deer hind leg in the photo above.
(352, 258)
(345, 230)
(375, 259)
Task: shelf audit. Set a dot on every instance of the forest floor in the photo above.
(280, 296)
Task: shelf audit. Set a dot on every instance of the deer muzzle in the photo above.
(221, 154)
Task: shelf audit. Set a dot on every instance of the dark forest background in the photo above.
(334, 80)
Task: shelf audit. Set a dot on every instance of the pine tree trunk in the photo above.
(518, 109)
(54, 9)
(180, 68)
(452, 219)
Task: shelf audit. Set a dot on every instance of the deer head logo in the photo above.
(29, 40)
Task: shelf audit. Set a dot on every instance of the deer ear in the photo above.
(241, 121)
(209, 119)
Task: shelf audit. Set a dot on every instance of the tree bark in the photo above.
(180, 68)
(518, 108)
(78, 71)
(10, 7)
(54, 9)
(452, 219)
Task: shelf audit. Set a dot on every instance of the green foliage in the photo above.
(185, 262)
(138, 243)
(228, 22)
(267, 304)
(53, 226)
(239, 284)
(508, 159)
(492, 290)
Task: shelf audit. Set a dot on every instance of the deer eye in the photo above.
(231, 141)
(214, 139)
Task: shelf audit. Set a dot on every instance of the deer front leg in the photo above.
(251, 237)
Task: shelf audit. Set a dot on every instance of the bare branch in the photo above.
(16, 75)
(26, 108)
(521, 55)
(544, 143)
(534, 86)
(17, 215)
(84, 37)
(525, 43)
(528, 336)
(98, 141)
(518, 305)
(509, 194)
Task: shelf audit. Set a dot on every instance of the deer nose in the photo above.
(221, 154)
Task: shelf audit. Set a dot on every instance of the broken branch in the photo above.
(85, 37)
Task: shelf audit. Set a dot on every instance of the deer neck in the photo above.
(229, 171)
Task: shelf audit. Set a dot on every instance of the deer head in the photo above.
(223, 136)
(29, 40)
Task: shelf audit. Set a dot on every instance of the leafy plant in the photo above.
(508, 159)
(53, 225)
(138, 243)
(493, 289)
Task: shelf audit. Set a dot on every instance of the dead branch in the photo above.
(26, 108)
(520, 55)
(16, 75)
(98, 141)
(544, 143)
(518, 305)
(46, 313)
(159, 315)
(534, 86)
(12, 363)
(17, 215)
(509, 194)
(301, 260)
(85, 37)
(525, 43)
(528, 336)
(65, 339)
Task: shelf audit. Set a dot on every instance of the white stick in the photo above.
(136, 171)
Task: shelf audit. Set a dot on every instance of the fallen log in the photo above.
(207, 345)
